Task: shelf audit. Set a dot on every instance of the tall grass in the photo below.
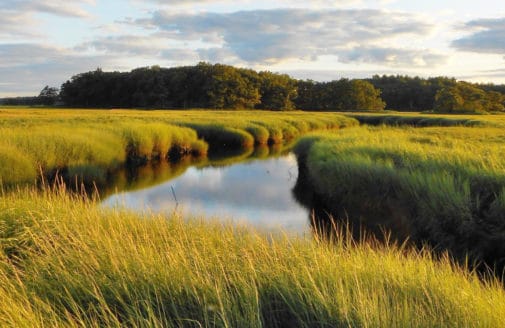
(87, 151)
(418, 121)
(391, 118)
(440, 185)
(68, 262)
(89, 144)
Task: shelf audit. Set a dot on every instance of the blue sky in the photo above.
(46, 42)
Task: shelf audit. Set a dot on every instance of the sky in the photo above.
(47, 42)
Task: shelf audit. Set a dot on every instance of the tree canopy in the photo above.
(339, 95)
(214, 86)
(204, 85)
(467, 98)
(221, 86)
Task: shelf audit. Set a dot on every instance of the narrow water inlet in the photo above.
(258, 192)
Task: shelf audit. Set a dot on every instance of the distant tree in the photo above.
(406, 93)
(448, 100)
(277, 91)
(227, 87)
(223, 86)
(339, 95)
(307, 95)
(20, 101)
(496, 101)
(48, 96)
(468, 98)
(364, 96)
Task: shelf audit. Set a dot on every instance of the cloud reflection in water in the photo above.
(257, 192)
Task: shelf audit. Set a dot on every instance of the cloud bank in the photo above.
(29, 67)
(271, 36)
(488, 37)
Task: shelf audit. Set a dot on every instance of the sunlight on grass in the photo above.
(67, 262)
(89, 143)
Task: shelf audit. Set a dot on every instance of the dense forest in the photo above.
(215, 86)
(441, 94)
(220, 86)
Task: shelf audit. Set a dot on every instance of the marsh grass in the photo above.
(428, 119)
(89, 144)
(65, 261)
(441, 185)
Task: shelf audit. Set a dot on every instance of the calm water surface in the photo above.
(258, 192)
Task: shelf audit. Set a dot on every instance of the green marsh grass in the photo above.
(66, 262)
(91, 143)
(391, 118)
(440, 185)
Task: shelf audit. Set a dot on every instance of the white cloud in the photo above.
(19, 19)
(270, 36)
(393, 57)
(313, 3)
(14, 25)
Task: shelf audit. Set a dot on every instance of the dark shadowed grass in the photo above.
(427, 120)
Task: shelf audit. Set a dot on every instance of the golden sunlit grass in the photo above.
(89, 143)
(68, 262)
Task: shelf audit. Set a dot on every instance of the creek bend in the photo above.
(271, 192)
(258, 192)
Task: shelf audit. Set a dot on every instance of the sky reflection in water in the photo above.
(257, 192)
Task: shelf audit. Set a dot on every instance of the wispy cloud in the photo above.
(28, 67)
(488, 36)
(394, 57)
(326, 3)
(19, 20)
(68, 8)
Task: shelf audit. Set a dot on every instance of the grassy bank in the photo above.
(68, 262)
(445, 186)
(391, 118)
(91, 143)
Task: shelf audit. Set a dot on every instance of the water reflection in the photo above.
(258, 191)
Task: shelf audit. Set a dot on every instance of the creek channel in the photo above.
(271, 193)
(250, 190)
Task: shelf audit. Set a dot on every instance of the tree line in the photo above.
(440, 94)
(215, 86)
(221, 86)
(201, 86)
(48, 96)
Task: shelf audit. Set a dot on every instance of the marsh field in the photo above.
(406, 216)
